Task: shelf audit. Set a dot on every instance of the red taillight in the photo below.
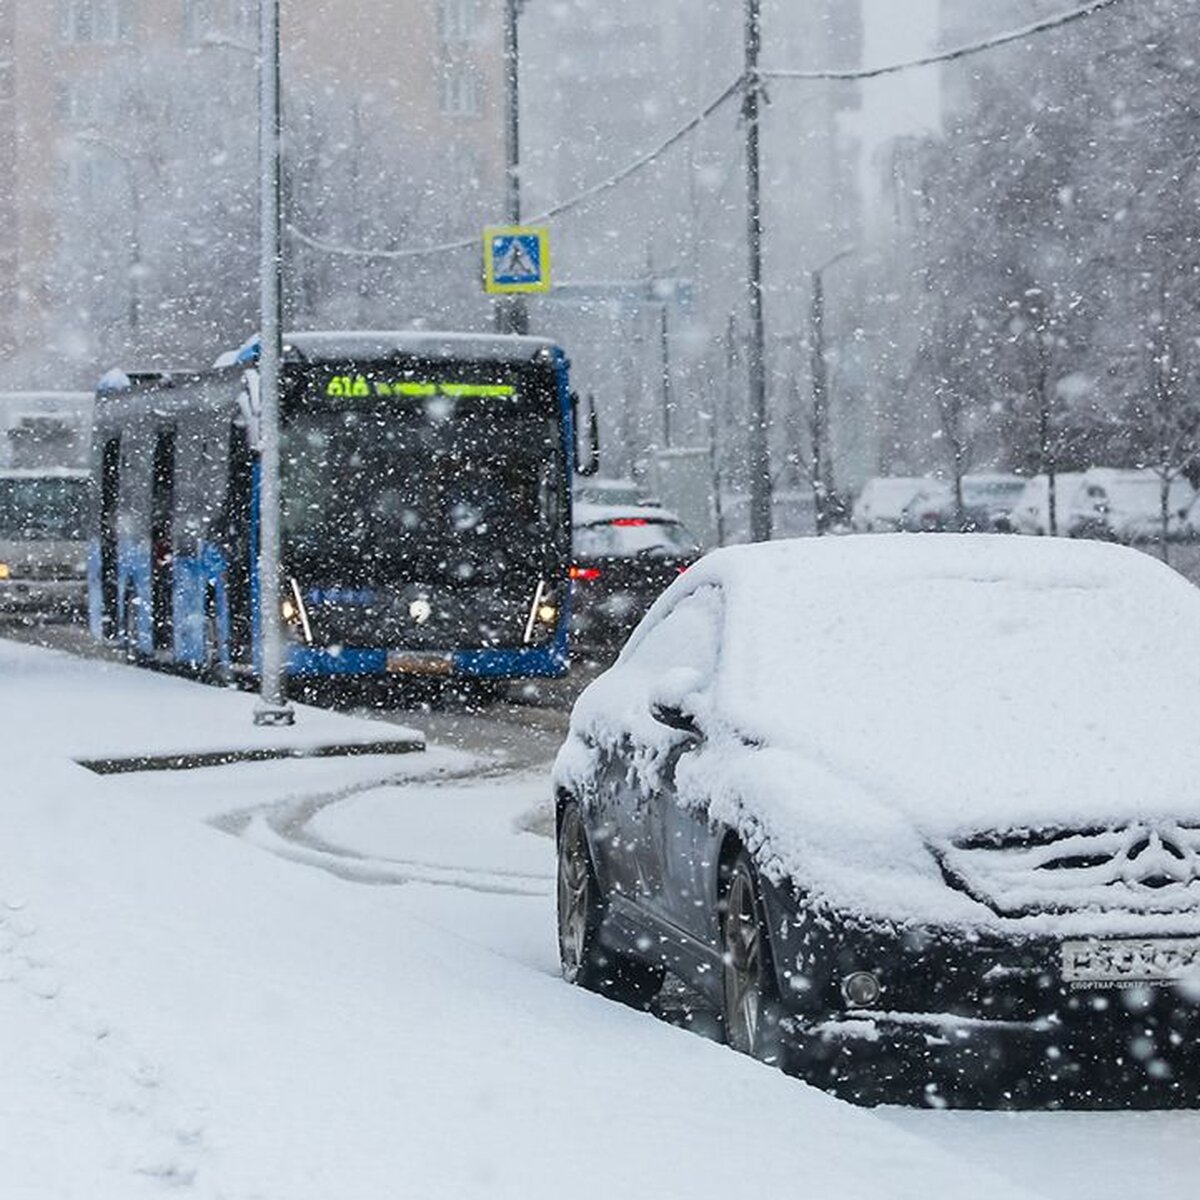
(681, 569)
(585, 572)
(628, 522)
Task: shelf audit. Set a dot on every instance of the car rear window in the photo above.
(629, 536)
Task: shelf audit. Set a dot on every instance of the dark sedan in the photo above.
(624, 558)
(1000, 908)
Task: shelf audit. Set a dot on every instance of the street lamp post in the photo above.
(511, 312)
(819, 470)
(273, 708)
(759, 448)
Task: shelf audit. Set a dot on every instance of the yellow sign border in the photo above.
(490, 233)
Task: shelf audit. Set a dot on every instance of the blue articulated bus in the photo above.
(424, 512)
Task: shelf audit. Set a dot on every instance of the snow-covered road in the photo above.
(322, 978)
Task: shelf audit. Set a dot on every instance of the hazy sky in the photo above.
(905, 103)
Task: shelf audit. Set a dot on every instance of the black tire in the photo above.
(129, 635)
(585, 961)
(750, 1006)
(215, 670)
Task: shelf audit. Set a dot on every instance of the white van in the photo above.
(43, 548)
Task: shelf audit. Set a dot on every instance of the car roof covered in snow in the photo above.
(972, 682)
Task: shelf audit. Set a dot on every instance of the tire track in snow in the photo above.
(282, 827)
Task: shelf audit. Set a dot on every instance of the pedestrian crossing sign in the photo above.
(516, 258)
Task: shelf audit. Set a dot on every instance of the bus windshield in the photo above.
(42, 508)
(437, 479)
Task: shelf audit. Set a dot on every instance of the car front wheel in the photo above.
(750, 1011)
(585, 961)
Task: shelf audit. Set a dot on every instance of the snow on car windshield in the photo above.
(974, 682)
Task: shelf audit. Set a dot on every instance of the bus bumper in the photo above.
(541, 662)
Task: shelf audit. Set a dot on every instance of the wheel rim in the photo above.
(743, 964)
(574, 886)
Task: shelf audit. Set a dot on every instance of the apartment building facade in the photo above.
(128, 171)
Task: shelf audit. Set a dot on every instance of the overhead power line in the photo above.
(942, 56)
(738, 85)
(588, 193)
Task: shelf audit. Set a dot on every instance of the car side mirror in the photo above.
(674, 717)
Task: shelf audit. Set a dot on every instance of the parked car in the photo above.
(999, 907)
(1032, 513)
(43, 552)
(624, 557)
(988, 502)
(881, 503)
(1126, 506)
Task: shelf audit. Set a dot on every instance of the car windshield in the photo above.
(627, 537)
(39, 508)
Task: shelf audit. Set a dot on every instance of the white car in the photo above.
(1126, 506)
(881, 503)
(1032, 513)
(911, 813)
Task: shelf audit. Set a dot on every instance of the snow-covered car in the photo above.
(1032, 513)
(880, 505)
(988, 502)
(624, 558)
(1126, 506)
(1002, 905)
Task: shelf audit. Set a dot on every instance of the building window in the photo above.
(458, 20)
(75, 103)
(204, 20)
(460, 91)
(92, 180)
(102, 22)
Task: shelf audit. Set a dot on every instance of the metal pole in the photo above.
(273, 708)
(665, 352)
(819, 413)
(511, 313)
(759, 449)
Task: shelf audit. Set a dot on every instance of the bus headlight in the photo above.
(543, 614)
(294, 613)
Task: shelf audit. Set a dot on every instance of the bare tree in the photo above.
(1164, 419)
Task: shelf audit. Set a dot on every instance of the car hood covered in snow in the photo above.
(891, 707)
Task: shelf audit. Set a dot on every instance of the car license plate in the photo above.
(404, 662)
(1130, 962)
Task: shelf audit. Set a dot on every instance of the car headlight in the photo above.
(862, 989)
(4, 571)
